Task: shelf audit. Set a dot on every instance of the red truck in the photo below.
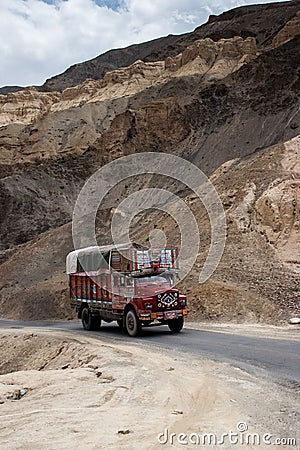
(130, 284)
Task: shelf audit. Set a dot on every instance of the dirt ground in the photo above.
(63, 393)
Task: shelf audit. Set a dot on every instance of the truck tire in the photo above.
(132, 323)
(90, 322)
(176, 325)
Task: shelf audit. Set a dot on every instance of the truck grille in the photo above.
(167, 300)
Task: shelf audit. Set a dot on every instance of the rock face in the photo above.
(279, 219)
(25, 106)
(288, 32)
(278, 208)
(214, 60)
(213, 99)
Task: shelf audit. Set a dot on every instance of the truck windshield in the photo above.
(152, 280)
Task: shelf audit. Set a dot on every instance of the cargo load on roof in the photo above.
(128, 258)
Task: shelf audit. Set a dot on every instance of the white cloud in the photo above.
(39, 39)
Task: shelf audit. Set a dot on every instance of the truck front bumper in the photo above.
(166, 315)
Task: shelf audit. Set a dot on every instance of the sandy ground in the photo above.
(63, 393)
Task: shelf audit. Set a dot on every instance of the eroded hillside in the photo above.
(224, 99)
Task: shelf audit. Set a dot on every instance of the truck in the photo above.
(129, 283)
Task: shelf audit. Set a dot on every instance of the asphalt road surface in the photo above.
(276, 359)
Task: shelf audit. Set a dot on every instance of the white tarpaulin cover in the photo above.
(71, 260)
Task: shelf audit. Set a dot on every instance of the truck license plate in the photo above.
(171, 315)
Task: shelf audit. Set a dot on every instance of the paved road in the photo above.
(278, 359)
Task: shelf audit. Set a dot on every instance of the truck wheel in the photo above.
(132, 324)
(89, 322)
(176, 325)
(120, 323)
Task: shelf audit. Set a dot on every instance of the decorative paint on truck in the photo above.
(131, 284)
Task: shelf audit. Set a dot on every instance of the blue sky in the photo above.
(41, 38)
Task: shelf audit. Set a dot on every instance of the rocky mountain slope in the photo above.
(225, 97)
(263, 22)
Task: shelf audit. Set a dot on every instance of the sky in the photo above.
(41, 38)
